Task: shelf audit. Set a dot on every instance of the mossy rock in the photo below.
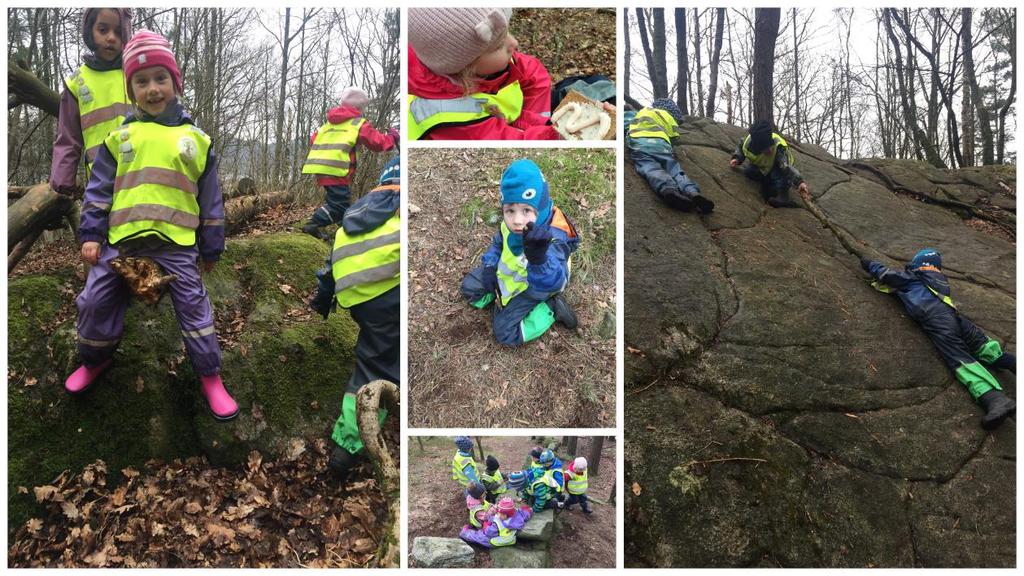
(286, 369)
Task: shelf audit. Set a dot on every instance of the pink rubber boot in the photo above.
(221, 403)
(81, 379)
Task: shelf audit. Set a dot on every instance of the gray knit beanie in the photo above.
(447, 40)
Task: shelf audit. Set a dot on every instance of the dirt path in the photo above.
(438, 508)
(458, 374)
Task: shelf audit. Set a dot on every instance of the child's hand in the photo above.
(208, 266)
(535, 243)
(803, 187)
(91, 252)
(733, 162)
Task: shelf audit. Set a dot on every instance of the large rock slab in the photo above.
(432, 552)
(285, 366)
(541, 527)
(780, 411)
(520, 557)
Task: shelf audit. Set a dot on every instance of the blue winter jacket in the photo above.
(551, 275)
(912, 287)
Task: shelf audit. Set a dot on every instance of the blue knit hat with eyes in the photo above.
(926, 257)
(523, 183)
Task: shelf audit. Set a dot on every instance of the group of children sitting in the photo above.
(499, 505)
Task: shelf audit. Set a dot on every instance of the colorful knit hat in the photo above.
(547, 457)
(447, 40)
(145, 49)
(579, 464)
(392, 172)
(354, 96)
(464, 443)
(524, 183)
(516, 480)
(668, 106)
(506, 506)
(89, 20)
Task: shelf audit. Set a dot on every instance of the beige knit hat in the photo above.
(447, 40)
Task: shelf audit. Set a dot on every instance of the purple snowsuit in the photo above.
(483, 536)
(102, 304)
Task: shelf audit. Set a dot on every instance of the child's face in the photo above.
(152, 89)
(518, 215)
(106, 34)
(497, 60)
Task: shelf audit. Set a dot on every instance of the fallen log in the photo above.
(40, 207)
(24, 87)
(22, 248)
(15, 192)
(375, 395)
(238, 211)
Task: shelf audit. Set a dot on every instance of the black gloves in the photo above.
(323, 301)
(865, 263)
(535, 243)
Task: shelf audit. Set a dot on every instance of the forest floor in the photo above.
(458, 374)
(285, 513)
(438, 508)
(568, 41)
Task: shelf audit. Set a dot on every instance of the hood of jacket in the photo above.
(424, 83)
(339, 114)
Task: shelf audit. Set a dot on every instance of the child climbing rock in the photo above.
(924, 291)
(468, 81)
(527, 265)
(501, 529)
(771, 164)
(576, 484)
(95, 99)
(464, 470)
(477, 505)
(332, 155)
(547, 482)
(493, 480)
(362, 275)
(153, 193)
(650, 137)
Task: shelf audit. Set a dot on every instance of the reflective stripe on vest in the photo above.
(505, 537)
(366, 265)
(331, 152)
(886, 289)
(102, 105)
(654, 123)
(459, 464)
(495, 478)
(511, 270)
(156, 183)
(426, 113)
(764, 161)
(548, 479)
(485, 506)
(577, 482)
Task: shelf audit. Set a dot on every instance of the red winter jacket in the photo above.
(369, 137)
(532, 124)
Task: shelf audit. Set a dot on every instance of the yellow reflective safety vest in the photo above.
(157, 181)
(459, 464)
(576, 482)
(331, 152)
(654, 123)
(764, 161)
(512, 269)
(102, 105)
(427, 113)
(367, 265)
(483, 505)
(548, 479)
(506, 536)
(496, 478)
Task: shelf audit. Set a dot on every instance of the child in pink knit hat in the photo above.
(501, 528)
(332, 156)
(468, 81)
(94, 100)
(153, 193)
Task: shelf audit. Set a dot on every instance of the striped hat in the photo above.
(146, 49)
(506, 506)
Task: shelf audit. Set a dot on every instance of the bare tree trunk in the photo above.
(594, 454)
(699, 104)
(652, 70)
(626, 56)
(659, 39)
(981, 112)
(1011, 37)
(279, 133)
(682, 62)
(571, 444)
(796, 77)
(766, 30)
(480, 447)
(38, 208)
(24, 88)
(715, 58)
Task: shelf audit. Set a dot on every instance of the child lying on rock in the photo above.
(501, 529)
(527, 265)
(771, 164)
(924, 291)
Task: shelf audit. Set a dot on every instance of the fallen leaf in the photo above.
(44, 493)
(636, 489)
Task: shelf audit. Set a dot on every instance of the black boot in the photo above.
(1007, 362)
(563, 312)
(782, 200)
(342, 462)
(703, 205)
(314, 231)
(587, 509)
(997, 408)
(676, 199)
